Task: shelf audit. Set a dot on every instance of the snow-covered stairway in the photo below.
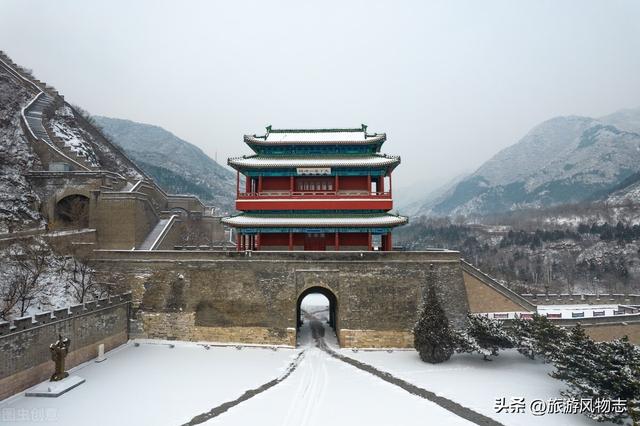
(157, 233)
(33, 113)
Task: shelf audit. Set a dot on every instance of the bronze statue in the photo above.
(59, 351)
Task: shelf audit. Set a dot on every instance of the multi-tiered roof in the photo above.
(315, 180)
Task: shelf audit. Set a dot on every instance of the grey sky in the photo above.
(451, 82)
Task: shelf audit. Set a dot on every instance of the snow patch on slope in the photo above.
(73, 137)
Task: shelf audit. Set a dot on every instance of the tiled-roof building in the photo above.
(315, 189)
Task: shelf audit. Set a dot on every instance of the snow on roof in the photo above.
(306, 136)
(575, 307)
(316, 136)
(319, 221)
(278, 162)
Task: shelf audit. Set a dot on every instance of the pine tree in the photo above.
(605, 370)
(620, 378)
(432, 336)
(577, 364)
(523, 335)
(548, 338)
(484, 336)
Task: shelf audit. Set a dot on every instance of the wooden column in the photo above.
(290, 240)
(259, 184)
(258, 241)
(337, 242)
(336, 185)
(247, 184)
(291, 188)
(389, 241)
(369, 184)
(381, 184)
(369, 241)
(237, 241)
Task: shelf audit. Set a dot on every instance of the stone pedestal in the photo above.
(55, 389)
(101, 356)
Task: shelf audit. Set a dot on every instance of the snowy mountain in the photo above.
(176, 165)
(562, 160)
(625, 119)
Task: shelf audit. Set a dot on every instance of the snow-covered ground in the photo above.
(476, 384)
(326, 391)
(153, 384)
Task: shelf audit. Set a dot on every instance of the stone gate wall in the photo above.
(251, 297)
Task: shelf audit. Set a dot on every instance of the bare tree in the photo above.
(29, 260)
(79, 278)
(8, 297)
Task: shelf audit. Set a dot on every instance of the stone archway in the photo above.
(333, 305)
(72, 211)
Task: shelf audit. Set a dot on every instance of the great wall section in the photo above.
(186, 289)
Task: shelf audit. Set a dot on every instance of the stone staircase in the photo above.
(34, 117)
(149, 242)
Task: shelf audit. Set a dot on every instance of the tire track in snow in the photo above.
(449, 405)
(216, 411)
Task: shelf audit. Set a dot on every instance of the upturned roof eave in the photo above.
(261, 141)
(386, 162)
(301, 222)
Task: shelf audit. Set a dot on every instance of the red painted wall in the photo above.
(328, 204)
(354, 239)
(275, 183)
(274, 239)
(353, 182)
(346, 239)
(298, 239)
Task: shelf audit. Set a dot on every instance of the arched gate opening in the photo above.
(330, 315)
(72, 212)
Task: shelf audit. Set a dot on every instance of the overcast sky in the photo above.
(451, 82)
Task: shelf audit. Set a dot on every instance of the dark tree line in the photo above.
(536, 238)
(623, 233)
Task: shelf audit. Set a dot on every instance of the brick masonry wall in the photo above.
(123, 222)
(483, 298)
(218, 296)
(606, 332)
(24, 348)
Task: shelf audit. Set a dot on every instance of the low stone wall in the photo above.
(24, 345)
(607, 328)
(252, 297)
(375, 339)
